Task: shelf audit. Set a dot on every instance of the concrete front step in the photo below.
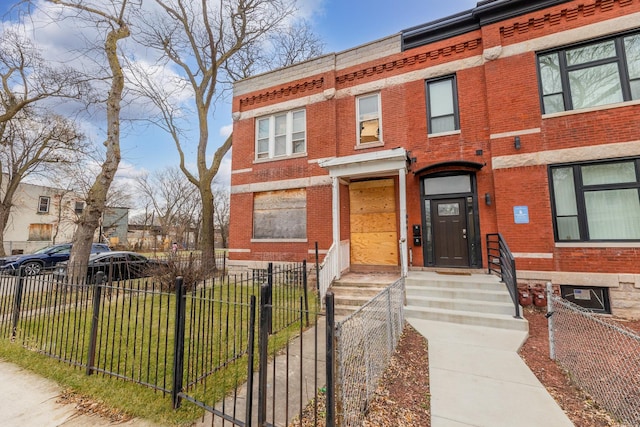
(502, 321)
(369, 291)
(476, 281)
(472, 305)
(426, 290)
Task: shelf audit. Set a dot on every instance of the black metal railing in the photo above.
(500, 262)
(187, 340)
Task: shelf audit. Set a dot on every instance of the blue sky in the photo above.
(340, 24)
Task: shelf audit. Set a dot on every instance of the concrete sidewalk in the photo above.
(478, 379)
(29, 400)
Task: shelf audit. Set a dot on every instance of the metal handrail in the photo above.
(500, 261)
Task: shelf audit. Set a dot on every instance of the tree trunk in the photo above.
(207, 237)
(4, 219)
(97, 197)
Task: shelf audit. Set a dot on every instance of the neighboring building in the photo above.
(114, 227)
(515, 117)
(41, 216)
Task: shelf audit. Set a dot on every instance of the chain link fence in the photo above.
(602, 357)
(365, 342)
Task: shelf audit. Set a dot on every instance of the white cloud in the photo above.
(226, 130)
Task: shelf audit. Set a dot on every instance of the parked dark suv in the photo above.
(42, 259)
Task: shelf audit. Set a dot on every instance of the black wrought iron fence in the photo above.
(196, 342)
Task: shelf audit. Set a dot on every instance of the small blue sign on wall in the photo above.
(521, 214)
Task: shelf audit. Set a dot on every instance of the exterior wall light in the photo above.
(487, 199)
(516, 142)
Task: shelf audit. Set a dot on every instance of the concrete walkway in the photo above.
(478, 379)
(29, 400)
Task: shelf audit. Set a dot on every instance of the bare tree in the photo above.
(30, 135)
(221, 213)
(29, 144)
(173, 199)
(207, 44)
(110, 17)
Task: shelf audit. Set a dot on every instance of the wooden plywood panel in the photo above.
(373, 222)
(374, 237)
(373, 198)
(374, 248)
(280, 215)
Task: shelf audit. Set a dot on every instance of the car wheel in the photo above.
(31, 268)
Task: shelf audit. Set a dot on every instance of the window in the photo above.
(592, 298)
(442, 105)
(280, 214)
(281, 135)
(600, 73)
(43, 204)
(369, 120)
(40, 232)
(79, 207)
(596, 201)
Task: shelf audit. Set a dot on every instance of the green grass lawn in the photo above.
(136, 340)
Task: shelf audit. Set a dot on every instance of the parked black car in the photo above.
(42, 259)
(116, 265)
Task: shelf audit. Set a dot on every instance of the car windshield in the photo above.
(44, 250)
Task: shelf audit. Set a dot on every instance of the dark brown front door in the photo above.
(450, 233)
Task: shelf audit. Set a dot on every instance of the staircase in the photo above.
(469, 299)
(355, 289)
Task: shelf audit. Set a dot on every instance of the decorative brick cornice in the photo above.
(565, 15)
(410, 60)
(282, 92)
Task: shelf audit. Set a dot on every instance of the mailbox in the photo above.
(417, 235)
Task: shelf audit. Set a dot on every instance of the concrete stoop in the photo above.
(353, 290)
(468, 299)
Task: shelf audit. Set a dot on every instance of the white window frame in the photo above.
(289, 148)
(47, 202)
(360, 119)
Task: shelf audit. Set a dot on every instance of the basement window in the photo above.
(593, 298)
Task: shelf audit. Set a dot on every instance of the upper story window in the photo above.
(599, 73)
(281, 135)
(369, 118)
(43, 204)
(442, 105)
(596, 201)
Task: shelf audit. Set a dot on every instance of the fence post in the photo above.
(178, 343)
(330, 360)
(263, 341)
(93, 338)
(17, 305)
(269, 296)
(304, 284)
(552, 346)
(250, 355)
(317, 268)
(390, 337)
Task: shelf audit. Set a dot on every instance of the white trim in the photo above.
(320, 251)
(604, 280)
(439, 134)
(288, 184)
(597, 244)
(378, 116)
(247, 170)
(591, 109)
(541, 255)
(279, 240)
(238, 251)
(515, 133)
(566, 155)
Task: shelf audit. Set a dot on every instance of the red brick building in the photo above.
(516, 117)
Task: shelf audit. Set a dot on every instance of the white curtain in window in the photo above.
(565, 203)
(613, 214)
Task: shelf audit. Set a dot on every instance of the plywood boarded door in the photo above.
(374, 236)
